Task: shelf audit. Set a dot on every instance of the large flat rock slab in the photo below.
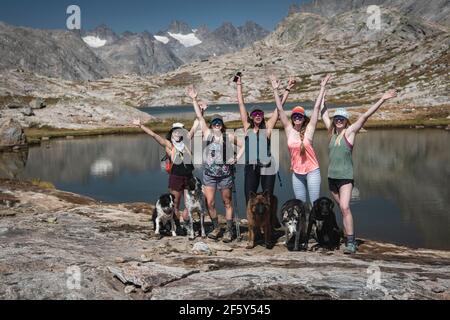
(58, 245)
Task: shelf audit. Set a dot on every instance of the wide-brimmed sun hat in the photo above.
(341, 112)
(175, 126)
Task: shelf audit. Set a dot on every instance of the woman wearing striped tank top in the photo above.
(340, 171)
(300, 134)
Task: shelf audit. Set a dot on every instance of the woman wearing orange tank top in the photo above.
(300, 134)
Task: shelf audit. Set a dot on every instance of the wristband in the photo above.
(288, 90)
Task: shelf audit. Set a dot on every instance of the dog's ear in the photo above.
(331, 204)
(316, 205)
(267, 195)
(252, 195)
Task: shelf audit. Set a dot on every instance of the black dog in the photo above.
(327, 230)
(295, 218)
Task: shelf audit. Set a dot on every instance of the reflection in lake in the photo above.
(401, 193)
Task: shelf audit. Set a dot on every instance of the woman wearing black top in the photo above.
(253, 122)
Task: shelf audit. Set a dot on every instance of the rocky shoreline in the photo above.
(51, 239)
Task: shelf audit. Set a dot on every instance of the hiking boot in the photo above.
(215, 234)
(227, 236)
(350, 248)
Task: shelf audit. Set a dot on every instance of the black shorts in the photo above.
(336, 184)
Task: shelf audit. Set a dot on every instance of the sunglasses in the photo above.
(298, 116)
(257, 114)
(217, 123)
(339, 119)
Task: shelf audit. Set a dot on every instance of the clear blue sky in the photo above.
(140, 15)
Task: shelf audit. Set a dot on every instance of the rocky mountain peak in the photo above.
(179, 27)
(103, 32)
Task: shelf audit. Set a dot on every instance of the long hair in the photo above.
(252, 123)
(302, 134)
(333, 130)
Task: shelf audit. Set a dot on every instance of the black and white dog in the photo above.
(327, 230)
(164, 212)
(295, 218)
(195, 202)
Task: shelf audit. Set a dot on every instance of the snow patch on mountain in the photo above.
(162, 39)
(94, 42)
(187, 40)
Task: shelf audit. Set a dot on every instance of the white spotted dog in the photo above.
(195, 202)
(164, 212)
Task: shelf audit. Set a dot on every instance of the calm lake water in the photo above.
(401, 196)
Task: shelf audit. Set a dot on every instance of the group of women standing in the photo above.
(218, 166)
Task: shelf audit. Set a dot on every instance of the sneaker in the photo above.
(215, 234)
(350, 248)
(227, 236)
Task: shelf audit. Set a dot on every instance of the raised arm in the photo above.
(242, 109)
(192, 93)
(163, 142)
(324, 112)
(274, 118)
(194, 128)
(311, 128)
(196, 124)
(354, 128)
(291, 84)
(284, 119)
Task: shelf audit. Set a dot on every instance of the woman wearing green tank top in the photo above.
(340, 171)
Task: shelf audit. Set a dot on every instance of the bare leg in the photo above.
(210, 193)
(228, 203)
(345, 194)
(177, 201)
(336, 197)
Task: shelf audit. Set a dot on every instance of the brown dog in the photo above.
(261, 212)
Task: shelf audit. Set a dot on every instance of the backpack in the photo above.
(168, 159)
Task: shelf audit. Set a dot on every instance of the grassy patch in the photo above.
(20, 100)
(35, 135)
(183, 79)
(43, 184)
